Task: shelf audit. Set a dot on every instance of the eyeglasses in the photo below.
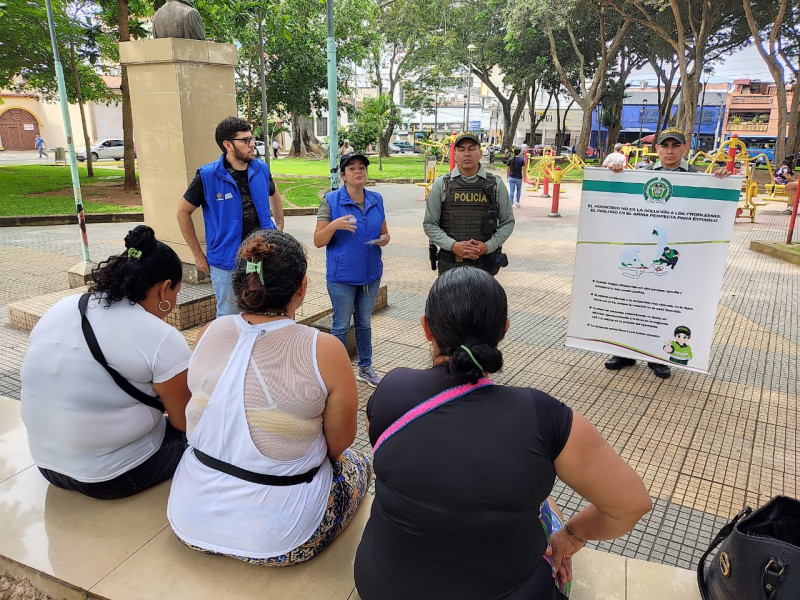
(247, 140)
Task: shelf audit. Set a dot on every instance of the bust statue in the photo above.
(178, 19)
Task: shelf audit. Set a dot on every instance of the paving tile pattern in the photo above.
(704, 444)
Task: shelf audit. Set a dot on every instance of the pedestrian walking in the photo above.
(275, 148)
(40, 145)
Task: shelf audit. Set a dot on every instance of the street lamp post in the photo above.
(641, 120)
(470, 49)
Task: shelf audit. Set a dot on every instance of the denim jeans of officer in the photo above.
(356, 301)
(159, 467)
(515, 185)
(222, 281)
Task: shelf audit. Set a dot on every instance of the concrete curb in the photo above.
(26, 220)
(39, 220)
(776, 251)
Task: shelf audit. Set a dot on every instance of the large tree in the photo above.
(765, 25)
(789, 50)
(483, 23)
(595, 37)
(697, 31)
(294, 48)
(26, 54)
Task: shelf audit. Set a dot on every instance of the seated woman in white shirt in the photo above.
(268, 477)
(86, 433)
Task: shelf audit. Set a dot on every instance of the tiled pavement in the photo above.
(704, 444)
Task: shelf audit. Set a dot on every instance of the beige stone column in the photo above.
(180, 89)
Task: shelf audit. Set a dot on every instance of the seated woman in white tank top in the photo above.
(268, 477)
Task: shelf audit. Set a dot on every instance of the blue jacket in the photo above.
(222, 210)
(349, 260)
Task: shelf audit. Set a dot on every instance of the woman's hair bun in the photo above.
(143, 238)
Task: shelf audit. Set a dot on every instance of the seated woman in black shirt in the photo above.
(463, 467)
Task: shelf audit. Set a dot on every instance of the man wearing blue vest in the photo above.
(236, 193)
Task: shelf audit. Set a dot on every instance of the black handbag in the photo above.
(759, 555)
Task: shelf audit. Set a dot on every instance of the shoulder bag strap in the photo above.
(94, 348)
(723, 533)
(427, 406)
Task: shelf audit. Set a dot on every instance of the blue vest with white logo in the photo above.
(222, 210)
(349, 259)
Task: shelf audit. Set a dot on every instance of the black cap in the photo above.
(467, 135)
(348, 157)
(671, 133)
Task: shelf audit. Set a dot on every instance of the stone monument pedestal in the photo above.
(180, 89)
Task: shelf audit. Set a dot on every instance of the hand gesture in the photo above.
(201, 262)
(563, 548)
(668, 348)
(345, 223)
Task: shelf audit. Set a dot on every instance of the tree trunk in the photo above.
(793, 141)
(129, 184)
(304, 142)
(586, 130)
(615, 128)
(536, 119)
(384, 139)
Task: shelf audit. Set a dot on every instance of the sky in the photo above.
(745, 64)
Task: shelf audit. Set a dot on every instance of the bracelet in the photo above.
(573, 536)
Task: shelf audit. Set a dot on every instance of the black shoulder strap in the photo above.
(94, 348)
(491, 189)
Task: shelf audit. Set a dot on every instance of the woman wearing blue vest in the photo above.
(351, 224)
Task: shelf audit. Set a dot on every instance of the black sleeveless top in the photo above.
(458, 491)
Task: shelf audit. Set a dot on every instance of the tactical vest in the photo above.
(465, 207)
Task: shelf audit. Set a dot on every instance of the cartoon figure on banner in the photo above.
(680, 352)
(632, 266)
(669, 257)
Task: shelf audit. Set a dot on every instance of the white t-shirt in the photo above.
(615, 158)
(80, 423)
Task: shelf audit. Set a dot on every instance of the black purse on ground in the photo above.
(94, 348)
(759, 555)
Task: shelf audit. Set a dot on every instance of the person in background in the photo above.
(464, 468)
(351, 225)
(784, 175)
(268, 478)
(237, 195)
(514, 176)
(86, 433)
(616, 157)
(275, 148)
(40, 145)
(346, 149)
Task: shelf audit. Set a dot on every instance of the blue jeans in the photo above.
(222, 280)
(356, 301)
(515, 186)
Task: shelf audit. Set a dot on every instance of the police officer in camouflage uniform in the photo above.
(467, 213)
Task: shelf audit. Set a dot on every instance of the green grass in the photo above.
(793, 248)
(395, 167)
(301, 192)
(19, 186)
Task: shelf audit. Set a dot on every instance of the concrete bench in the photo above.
(72, 547)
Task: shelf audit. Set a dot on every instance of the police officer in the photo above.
(467, 213)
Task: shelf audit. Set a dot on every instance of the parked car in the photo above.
(260, 148)
(401, 146)
(497, 150)
(112, 148)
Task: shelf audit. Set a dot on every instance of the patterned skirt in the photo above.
(352, 472)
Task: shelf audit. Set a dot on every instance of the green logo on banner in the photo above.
(657, 190)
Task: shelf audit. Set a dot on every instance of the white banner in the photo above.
(649, 262)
